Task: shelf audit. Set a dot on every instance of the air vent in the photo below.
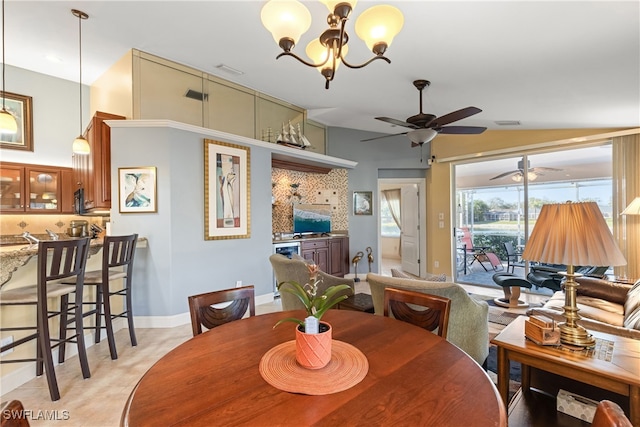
(507, 122)
(198, 96)
(229, 70)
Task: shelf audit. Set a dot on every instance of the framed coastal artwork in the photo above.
(226, 191)
(20, 107)
(137, 189)
(362, 203)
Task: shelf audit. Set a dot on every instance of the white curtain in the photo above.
(393, 201)
(626, 187)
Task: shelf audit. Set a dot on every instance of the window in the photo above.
(388, 226)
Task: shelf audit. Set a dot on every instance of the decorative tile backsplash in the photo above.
(289, 187)
(14, 225)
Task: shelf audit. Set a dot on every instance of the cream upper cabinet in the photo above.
(169, 92)
(229, 108)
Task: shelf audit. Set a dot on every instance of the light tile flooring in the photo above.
(99, 400)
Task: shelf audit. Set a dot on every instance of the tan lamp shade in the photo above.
(331, 4)
(572, 234)
(8, 123)
(633, 208)
(379, 25)
(285, 19)
(81, 146)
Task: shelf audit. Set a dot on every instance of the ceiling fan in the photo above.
(532, 173)
(425, 127)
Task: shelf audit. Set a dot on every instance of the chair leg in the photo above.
(108, 321)
(64, 308)
(45, 349)
(98, 309)
(132, 331)
(79, 324)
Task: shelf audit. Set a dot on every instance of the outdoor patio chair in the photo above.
(513, 257)
(481, 254)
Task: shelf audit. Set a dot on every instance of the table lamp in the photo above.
(633, 208)
(572, 234)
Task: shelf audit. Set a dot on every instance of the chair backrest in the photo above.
(609, 414)
(61, 259)
(202, 312)
(466, 238)
(434, 314)
(119, 251)
(13, 414)
(509, 249)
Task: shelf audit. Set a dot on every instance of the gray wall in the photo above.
(178, 261)
(375, 160)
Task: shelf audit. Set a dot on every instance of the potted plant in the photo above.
(313, 337)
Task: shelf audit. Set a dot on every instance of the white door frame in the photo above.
(422, 203)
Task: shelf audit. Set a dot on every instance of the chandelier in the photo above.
(287, 20)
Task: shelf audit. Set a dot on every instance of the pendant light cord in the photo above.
(80, 83)
(3, 62)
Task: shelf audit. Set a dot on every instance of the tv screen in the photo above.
(311, 218)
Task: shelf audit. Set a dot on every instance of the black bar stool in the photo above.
(58, 260)
(117, 263)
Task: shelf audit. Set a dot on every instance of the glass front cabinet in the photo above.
(28, 188)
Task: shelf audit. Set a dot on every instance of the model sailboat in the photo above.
(292, 137)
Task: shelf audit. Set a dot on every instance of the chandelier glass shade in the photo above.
(8, 123)
(288, 20)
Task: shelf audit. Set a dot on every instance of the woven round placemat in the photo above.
(348, 366)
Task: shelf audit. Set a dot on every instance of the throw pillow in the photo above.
(603, 289)
(632, 307)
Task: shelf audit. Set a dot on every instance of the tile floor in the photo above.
(98, 401)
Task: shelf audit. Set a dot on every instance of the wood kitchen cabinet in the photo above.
(92, 172)
(35, 189)
(330, 255)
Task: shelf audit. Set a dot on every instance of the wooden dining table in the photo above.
(414, 378)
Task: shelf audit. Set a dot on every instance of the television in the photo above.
(311, 218)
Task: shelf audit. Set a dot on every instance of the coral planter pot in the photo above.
(313, 351)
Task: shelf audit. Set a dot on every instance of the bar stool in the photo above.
(117, 263)
(58, 260)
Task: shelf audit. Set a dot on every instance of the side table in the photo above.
(614, 364)
(358, 302)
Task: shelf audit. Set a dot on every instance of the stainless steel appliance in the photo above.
(287, 249)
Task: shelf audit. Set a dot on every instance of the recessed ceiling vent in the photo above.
(198, 96)
(507, 122)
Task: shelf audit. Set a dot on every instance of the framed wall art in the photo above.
(20, 106)
(226, 187)
(137, 189)
(362, 203)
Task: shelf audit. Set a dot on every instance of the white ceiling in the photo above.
(548, 64)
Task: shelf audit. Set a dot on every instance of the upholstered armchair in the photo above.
(468, 319)
(287, 270)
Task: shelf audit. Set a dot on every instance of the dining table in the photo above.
(413, 377)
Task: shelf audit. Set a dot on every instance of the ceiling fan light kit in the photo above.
(532, 173)
(288, 20)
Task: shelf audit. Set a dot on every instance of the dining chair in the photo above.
(208, 309)
(117, 264)
(609, 414)
(58, 260)
(12, 414)
(433, 314)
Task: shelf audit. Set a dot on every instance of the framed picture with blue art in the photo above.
(20, 107)
(137, 189)
(226, 191)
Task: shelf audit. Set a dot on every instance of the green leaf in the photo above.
(294, 288)
(289, 319)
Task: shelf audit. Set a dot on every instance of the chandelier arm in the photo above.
(366, 63)
(310, 64)
(341, 42)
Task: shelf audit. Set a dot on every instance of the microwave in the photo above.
(78, 202)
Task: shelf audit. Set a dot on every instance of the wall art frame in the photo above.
(227, 184)
(137, 189)
(21, 107)
(363, 203)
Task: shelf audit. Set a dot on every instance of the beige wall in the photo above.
(448, 149)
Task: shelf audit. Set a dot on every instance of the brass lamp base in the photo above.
(572, 334)
(576, 336)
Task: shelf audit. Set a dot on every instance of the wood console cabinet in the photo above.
(35, 189)
(330, 254)
(93, 172)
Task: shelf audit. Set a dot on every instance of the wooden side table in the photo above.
(614, 364)
(358, 302)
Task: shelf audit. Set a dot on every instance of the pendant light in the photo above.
(8, 123)
(80, 144)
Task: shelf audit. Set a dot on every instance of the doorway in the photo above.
(398, 248)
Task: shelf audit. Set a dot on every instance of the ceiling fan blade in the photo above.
(454, 116)
(397, 122)
(539, 169)
(383, 136)
(461, 130)
(502, 175)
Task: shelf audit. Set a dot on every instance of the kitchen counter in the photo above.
(13, 257)
(289, 237)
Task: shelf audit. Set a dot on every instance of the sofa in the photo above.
(468, 319)
(604, 306)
